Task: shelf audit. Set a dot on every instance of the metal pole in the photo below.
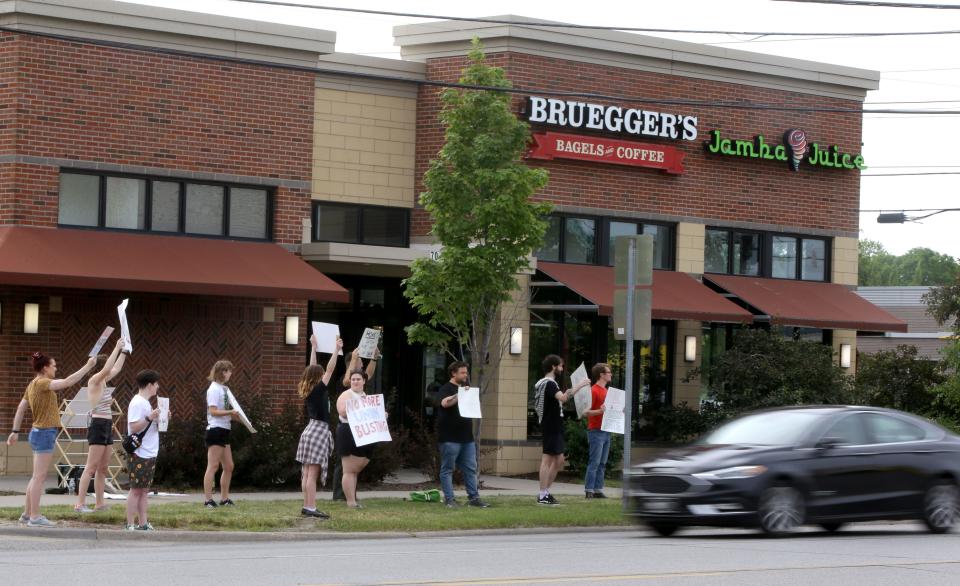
(628, 406)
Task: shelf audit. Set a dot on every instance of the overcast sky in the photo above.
(919, 68)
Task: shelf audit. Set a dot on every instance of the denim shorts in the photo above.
(42, 440)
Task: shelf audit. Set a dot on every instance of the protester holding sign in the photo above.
(100, 430)
(354, 363)
(598, 439)
(353, 458)
(455, 436)
(217, 438)
(316, 442)
(142, 463)
(41, 397)
(549, 401)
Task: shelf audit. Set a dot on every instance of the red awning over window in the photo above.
(88, 259)
(809, 304)
(675, 295)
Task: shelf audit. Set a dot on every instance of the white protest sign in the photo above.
(613, 420)
(124, 328)
(164, 404)
(369, 341)
(583, 399)
(326, 335)
(240, 414)
(103, 340)
(468, 401)
(367, 417)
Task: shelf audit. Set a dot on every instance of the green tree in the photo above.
(943, 303)
(897, 378)
(478, 195)
(876, 264)
(918, 267)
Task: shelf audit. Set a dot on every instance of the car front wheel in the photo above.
(781, 510)
(663, 529)
(941, 506)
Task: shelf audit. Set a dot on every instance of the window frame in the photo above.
(182, 205)
(766, 253)
(315, 220)
(763, 261)
(602, 252)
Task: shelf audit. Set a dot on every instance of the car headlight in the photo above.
(730, 473)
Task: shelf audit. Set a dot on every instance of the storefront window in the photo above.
(716, 251)
(126, 203)
(79, 200)
(204, 209)
(373, 225)
(814, 260)
(619, 229)
(662, 244)
(784, 257)
(248, 207)
(165, 211)
(746, 254)
(579, 240)
(551, 240)
(652, 375)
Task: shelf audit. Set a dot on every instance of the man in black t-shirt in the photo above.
(455, 438)
(549, 404)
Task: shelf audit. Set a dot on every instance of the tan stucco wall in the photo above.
(846, 260)
(690, 243)
(363, 149)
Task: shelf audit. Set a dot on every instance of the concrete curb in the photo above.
(176, 535)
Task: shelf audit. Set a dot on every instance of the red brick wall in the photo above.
(713, 187)
(128, 107)
(179, 336)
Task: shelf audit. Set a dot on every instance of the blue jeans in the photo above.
(597, 465)
(464, 457)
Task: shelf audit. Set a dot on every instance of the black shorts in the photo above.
(347, 447)
(217, 436)
(553, 444)
(100, 432)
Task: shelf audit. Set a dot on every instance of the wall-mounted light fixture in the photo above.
(690, 348)
(31, 318)
(845, 351)
(516, 340)
(292, 330)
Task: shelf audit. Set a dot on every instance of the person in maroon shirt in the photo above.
(599, 439)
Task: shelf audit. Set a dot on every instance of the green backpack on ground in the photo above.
(426, 496)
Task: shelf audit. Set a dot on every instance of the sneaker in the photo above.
(476, 502)
(588, 495)
(147, 527)
(599, 495)
(226, 503)
(24, 518)
(452, 504)
(82, 509)
(305, 512)
(210, 504)
(552, 500)
(544, 500)
(41, 521)
(129, 527)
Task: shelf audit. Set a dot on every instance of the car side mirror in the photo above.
(828, 443)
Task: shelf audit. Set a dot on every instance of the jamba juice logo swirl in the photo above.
(796, 139)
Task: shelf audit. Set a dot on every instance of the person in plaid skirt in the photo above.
(316, 441)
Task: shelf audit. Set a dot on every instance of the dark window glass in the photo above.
(79, 200)
(126, 203)
(165, 207)
(746, 254)
(620, 229)
(550, 250)
(204, 209)
(891, 430)
(814, 260)
(337, 223)
(783, 257)
(579, 240)
(661, 245)
(850, 430)
(384, 226)
(248, 212)
(716, 251)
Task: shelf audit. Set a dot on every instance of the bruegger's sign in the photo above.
(631, 122)
(554, 145)
(794, 150)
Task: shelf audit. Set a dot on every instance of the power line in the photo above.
(913, 210)
(593, 27)
(871, 4)
(909, 174)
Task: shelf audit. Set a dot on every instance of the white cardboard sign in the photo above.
(468, 402)
(164, 404)
(240, 414)
(326, 335)
(102, 341)
(367, 417)
(583, 399)
(369, 341)
(613, 418)
(124, 328)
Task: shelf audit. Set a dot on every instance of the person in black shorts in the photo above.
(217, 438)
(549, 401)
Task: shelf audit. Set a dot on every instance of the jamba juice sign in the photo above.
(794, 150)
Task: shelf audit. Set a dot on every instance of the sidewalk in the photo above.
(490, 486)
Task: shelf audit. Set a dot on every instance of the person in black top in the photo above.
(455, 438)
(549, 401)
(316, 441)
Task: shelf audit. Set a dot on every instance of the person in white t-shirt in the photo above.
(143, 462)
(219, 415)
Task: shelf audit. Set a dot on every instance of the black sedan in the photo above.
(783, 468)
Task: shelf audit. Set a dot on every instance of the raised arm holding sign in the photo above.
(124, 328)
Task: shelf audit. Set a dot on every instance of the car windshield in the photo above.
(777, 428)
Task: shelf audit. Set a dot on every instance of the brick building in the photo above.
(234, 178)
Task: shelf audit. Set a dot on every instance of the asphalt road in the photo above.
(863, 554)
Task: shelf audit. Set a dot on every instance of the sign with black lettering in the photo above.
(617, 119)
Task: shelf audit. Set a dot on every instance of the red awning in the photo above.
(120, 261)
(675, 295)
(809, 304)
